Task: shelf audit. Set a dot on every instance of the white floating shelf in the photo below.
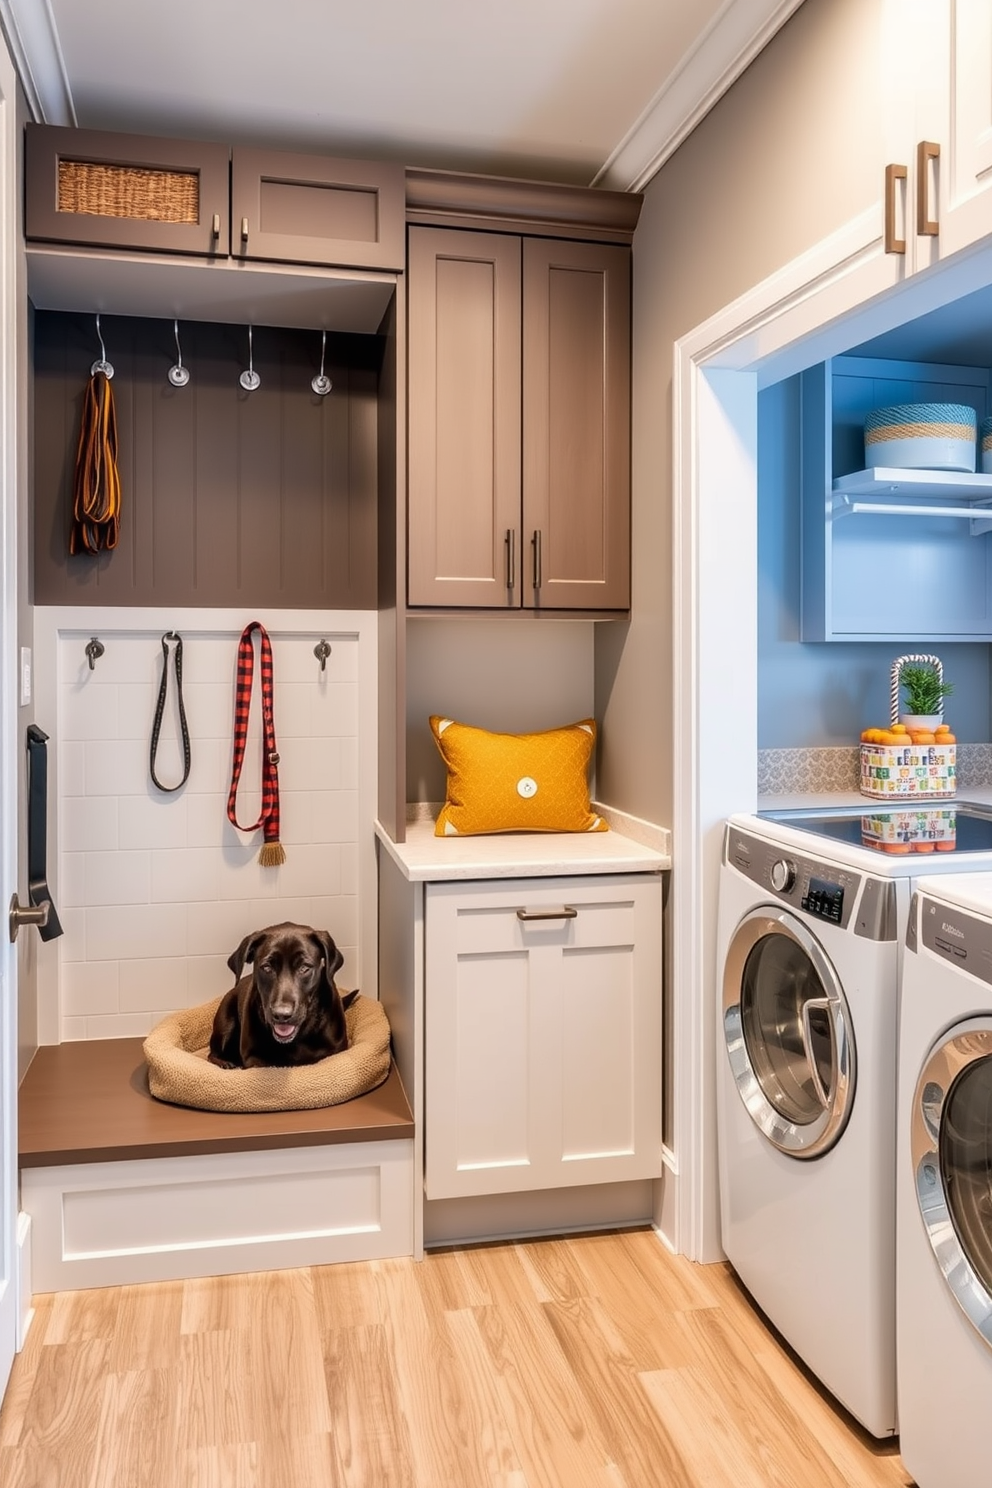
(890, 492)
(888, 481)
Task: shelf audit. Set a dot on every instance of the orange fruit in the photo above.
(898, 728)
(924, 847)
(947, 739)
(947, 846)
(896, 847)
(922, 736)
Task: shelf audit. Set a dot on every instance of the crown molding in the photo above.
(730, 43)
(29, 27)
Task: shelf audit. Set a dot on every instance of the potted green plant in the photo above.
(923, 691)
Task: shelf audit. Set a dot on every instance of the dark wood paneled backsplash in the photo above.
(229, 498)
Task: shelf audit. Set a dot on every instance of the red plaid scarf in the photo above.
(272, 853)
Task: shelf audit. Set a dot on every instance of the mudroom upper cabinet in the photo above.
(519, 443)
(97, 189)
(313, 209)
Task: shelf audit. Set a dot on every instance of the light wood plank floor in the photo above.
(597, 1361)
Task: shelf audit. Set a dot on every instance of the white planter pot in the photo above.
(921, 720)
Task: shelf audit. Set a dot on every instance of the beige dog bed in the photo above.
(179, 1071)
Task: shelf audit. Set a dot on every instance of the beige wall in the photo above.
(794, 150)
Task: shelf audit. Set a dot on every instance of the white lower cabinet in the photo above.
(543, 1033)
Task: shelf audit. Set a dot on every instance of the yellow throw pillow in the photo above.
(515, 782)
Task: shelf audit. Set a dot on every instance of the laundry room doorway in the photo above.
(841, 293)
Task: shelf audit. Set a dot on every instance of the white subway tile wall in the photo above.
(156, 890)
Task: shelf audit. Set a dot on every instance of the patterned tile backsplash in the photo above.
(785, 772)
(156, 890)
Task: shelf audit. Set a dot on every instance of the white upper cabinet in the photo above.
(938, 53)
(965, 171)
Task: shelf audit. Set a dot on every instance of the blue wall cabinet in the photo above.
(890, 555)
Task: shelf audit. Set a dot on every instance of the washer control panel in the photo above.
(825, 890)
(824, 899)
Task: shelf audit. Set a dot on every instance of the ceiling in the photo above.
(580, 91)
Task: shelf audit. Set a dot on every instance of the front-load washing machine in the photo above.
(944, 1185)
(813, 910)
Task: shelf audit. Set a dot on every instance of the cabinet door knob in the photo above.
(511, 543)
(535, 543)
(20, 914)
(564, 912)
(244, 229)
(926, 226)
(893, 173)
(215, 227)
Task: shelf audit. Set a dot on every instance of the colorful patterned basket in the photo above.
(895, 772)
(922, 436)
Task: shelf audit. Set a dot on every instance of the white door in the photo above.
(8, 714)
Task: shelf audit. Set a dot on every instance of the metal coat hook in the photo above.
(94, 650)
(250, 379)
(178, 375)
(322, 650)
(102, 365)
(321, 384)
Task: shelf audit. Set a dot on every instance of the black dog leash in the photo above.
(170, 635)
(38, 890)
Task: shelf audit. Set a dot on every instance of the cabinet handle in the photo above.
(216, 225)
(893, 173)
(566, 912)
(926, 226)
(244, 229)
(510, 541)
(535, 543)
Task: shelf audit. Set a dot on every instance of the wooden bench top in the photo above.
(89, 1102)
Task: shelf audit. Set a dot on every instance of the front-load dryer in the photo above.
(944, 1185)
(808, 954)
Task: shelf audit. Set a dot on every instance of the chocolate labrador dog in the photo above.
(287, 1010)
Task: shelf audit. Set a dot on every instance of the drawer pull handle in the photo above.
(216, 225)
(566, 912)
(538, 566)
(511, 577)
(893, 173)
(244, 229)
(926, 226)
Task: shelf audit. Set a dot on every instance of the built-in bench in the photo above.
(121, 1187)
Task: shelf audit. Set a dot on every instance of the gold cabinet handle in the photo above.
(566, 912)
(893, 173)
(510, 541)
(244, 229)
(216, 225)
(926, 226)
(535, 543)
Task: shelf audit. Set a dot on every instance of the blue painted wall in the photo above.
(825, 694)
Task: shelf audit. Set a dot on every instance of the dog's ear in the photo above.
(333, 958)
(245, 952)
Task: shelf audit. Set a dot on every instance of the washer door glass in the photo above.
(952, 1156)
(788, 1033)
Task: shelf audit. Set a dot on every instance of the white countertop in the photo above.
(426, 858)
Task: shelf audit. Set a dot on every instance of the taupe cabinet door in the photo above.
(519, 443)
(464, 439)
(316, 209)
(576, 424)
(125, 190)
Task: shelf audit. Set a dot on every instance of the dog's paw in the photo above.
(220, 1063)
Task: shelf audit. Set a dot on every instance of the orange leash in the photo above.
(96, 508)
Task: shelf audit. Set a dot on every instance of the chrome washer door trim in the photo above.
(807, 1139)
(957, 1053)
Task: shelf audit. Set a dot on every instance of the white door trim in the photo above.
(10, 1322)
(817, 306)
